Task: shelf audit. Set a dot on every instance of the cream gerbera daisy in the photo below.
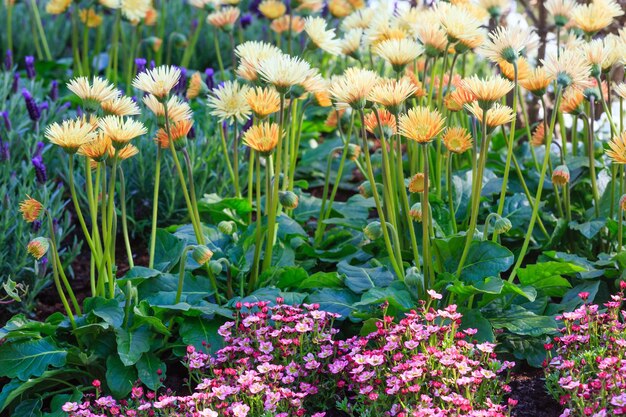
(595, 54)
(391, 94)
(495, 8)
(228, 102)
(352, 88)
(94, 93)
(617, 153)
(433, 38)
(351, 42)
(71, 134)
(620, 90)
(569, 69)
(272, 9)
(359, 19)
(458, 22)
(487, 90)
(506, 44)
(561, 10)
(595, 16)
(398, 52)
(158, 81)
(121, 130)
(224, 19)
(177, 109)
(58, 6)
(120, 106)
(537, 82)
(97, 149)
(497, 115)
(321, 37)
(251, 54)
(284, 71)
(135, 10)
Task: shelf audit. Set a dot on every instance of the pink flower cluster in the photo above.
(284, 361)
(424, 366)
(587, 372)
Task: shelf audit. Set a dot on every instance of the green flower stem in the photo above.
(529, 134)
(568, 208)
(428, 271)
(79, 212)
(404, 200)
(155, 205)
(250, 180)
(486, 228)
(296, 146)
(227, 159)
(476, 191)
(40, 29)
(390, 170)
(130, 63)
(181, 273)
(542, 177)
(191, 45)
(450, 192)
(509, 152)
(574, 137)
(216, 44)
(10, 27)
(109, 246)
(394, 256)
(129, 251)
(592, 158)
(258, 232)
(319, 230)
(443, 71)
(103, 226)
(620, 212)
(57, 284)
(273, 207)
(192, 187)
(92, 200)
(236, 159)
(85, 57)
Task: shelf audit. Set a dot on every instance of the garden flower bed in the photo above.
(312, 208)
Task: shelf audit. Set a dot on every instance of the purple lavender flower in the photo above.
(7, 121)
(33, 110)
(65, 106)
(5, 152)
(152, 64)
(192, 133)
(44, 106)
(288, 5)
(36, 225)
(40, 169)
(30, 67)
(210, 82)
(181, 86)
(39, 150)
(140, 63)
(8, 60)
(79, 111)
(43, 262)
(16, 82)
(194, 24)
(246, 20)
(54, 90)
(254, 7)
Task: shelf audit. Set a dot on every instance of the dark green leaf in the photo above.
(195, 331)
(120, 378)
(131, 344)
(360, 279)
(148, 369)
(25, 359)
(339, 301)
(108, 310)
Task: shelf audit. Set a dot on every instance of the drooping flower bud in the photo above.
(38, 247)
(288, 199)
(417, 183)
(560, 175)
(502, 225)
(30, 209)
(373, 230)
(228, 227)
(416, 212)
(201, 254)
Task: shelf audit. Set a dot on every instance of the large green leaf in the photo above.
(21, 327)
(291, 276)
(334, 300)
(322, 280)
(108, 310)
(150, 370)
(120, 378)
(473, 319)
(131, 344)
(195, 331)
(143, 316)
(547, 276)
(29, 408)
(167, 250)
(484, 259)
(28, 358)
(360, 279)
(520, 321)
(588, 229)
(218, 209)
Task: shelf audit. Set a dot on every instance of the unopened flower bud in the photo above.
(373, 230)
(417, 183)
(502, 225)
(228, 227)
(560, 175)
(288, 199)
(30, 209)
(38, 247)
(622, 203)
(416, 212)
(201, 254)
(216, 267)
(353, 152)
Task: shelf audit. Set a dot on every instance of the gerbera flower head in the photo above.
(487, 90)
(398, 52)
(458, 98)
(351, 43)
(135, 10)
(281, 25)
(284, 71)
(353, 87)
(458, 22)
(617, 151)
(320, 36)
(224, 18)
(263, 137)
(387, 123)
(537, 81)
(178, 134)
(70, 134)
(263, 101)
(457, 140)
(38, 247)
(391, 93)
(595, 16)
(339, 8)
(569, 69)
(572, 102)
(539, 134)
(595, 54)
(158, 81)
(620, 90)
(177, 109)
(30, 209)
(497, 115)
(272, 9)
(228, 102)
(121, 130)
(90, 18)
(94, 93)
(196, 86)
(560, 10)
(433, 38)
(251, 54)
(495, 8)
(417, 183)
(359, 19)
(506, 44)
(560, 176)
(58, 6)
(120, 106)
(421, 124)
(96, 149)
(508, 70)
